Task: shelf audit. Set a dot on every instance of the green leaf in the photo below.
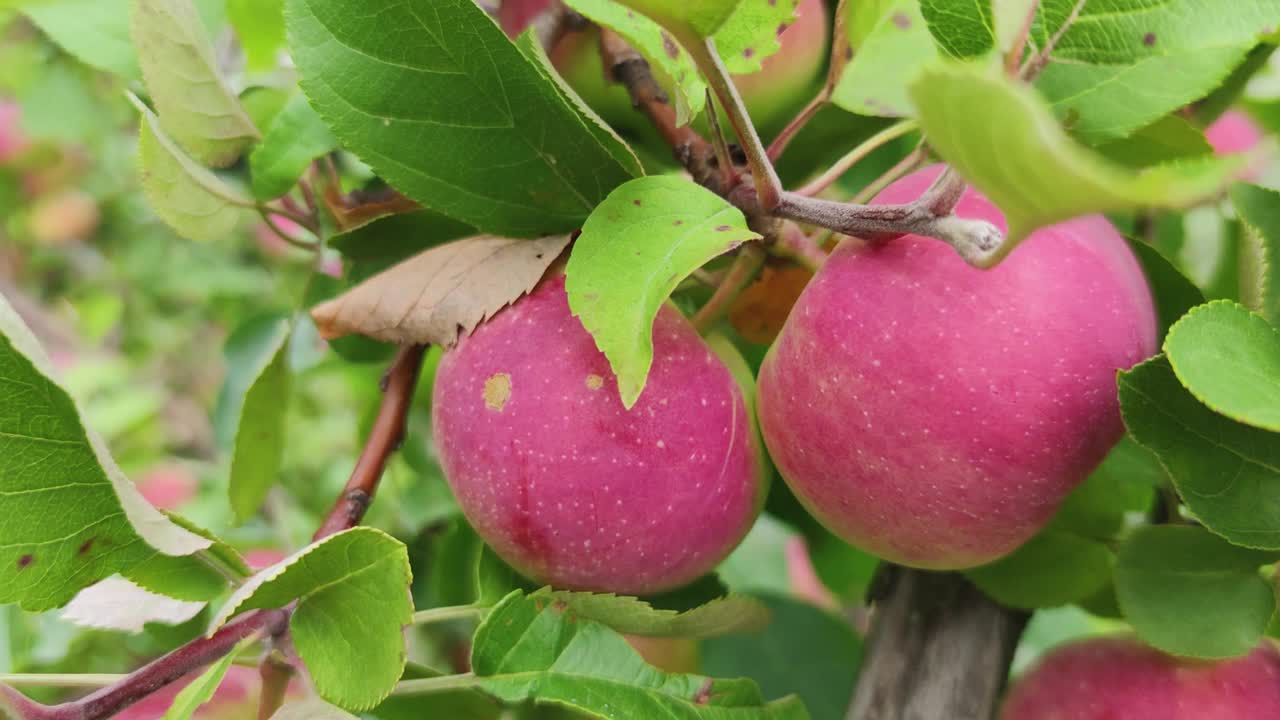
(352, 591)
(1123, 64)
(750, 34)
(395, 237)
(1056, 567)
(296, 137)
(195, 105)
(312, 708)
(201, 690)
(629, 615)
(645, 238)
(201, 577)
(95, 31)
(1259, 209)
(1188, 592)
(260, 435)
(1010, 18)
(1229, 359)
(1174, 294)
(68, 516)
(1123, 483)
(464, 703)
(962, 29)
(896, 47)
(658, 47)
(451, 113)
(805, 650)
(1227, 473)
(691, 19)
(529, 648)
(246, 351)
(1170, 138)
(1000, 136)
(259, 25)
(187, 196)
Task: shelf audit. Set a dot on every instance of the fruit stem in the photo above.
(841, 54)
(1013, 57)
(744, 269)
(443, 614)
(913, 160)
(794, 245)
(728, 174)
(422, 686)
(276, 672)
(768, 186)
(856, 155)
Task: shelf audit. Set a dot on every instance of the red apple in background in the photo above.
(574, 490)
(12, 139)
(1119, 678)
(1233, 132)
(67, 216)
(168, 486)
(936, 415)
(235, 699)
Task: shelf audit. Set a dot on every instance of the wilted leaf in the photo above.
(195, 105)
(441, 294)
(117, 604)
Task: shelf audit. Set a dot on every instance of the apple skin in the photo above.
(569, 487)
(1119, 678)
(1233, 132)
(168, 486)
(936, 415)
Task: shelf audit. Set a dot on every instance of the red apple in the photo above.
(936, 415)
(1233, 132)
(1119, 678)
(168, 486)
(571, 488)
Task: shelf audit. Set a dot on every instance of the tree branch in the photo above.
(384, 438)
(938, 648)
(150, 677)
(841, 54)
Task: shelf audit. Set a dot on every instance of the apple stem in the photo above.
(724, 159)
(1037, 63)
(744, 269)
(768, 185)
(276, 671)
(856, 155)
(841, 54)
(1013, 57)
(915, 159)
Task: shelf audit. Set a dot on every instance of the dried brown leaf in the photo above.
(442, 293)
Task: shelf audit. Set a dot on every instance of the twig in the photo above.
(308, 245)
(442, 614)
(1013, 58)
(739, 275)
(150, 677)
(728, 174)
(938, 648)
(436, 684)
(841, 54)
(768, 186)
(276, 671)
(794, 245)
(856, 155)
(1036, 64)
(384, 438)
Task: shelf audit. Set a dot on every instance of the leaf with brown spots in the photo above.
(752, 32)
(440, 294)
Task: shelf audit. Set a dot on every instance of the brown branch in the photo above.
(938, 648)
(151, 677)
(384, 438)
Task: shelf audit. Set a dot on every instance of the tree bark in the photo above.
(938, 650)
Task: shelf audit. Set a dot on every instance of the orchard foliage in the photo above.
(704, 320)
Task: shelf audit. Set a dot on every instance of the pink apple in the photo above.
(936, 415)
(1119, 678)
(1233, 132)
(574, 490)
(515, 15)
(12, 139)
(63, 217)
(168, 486)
